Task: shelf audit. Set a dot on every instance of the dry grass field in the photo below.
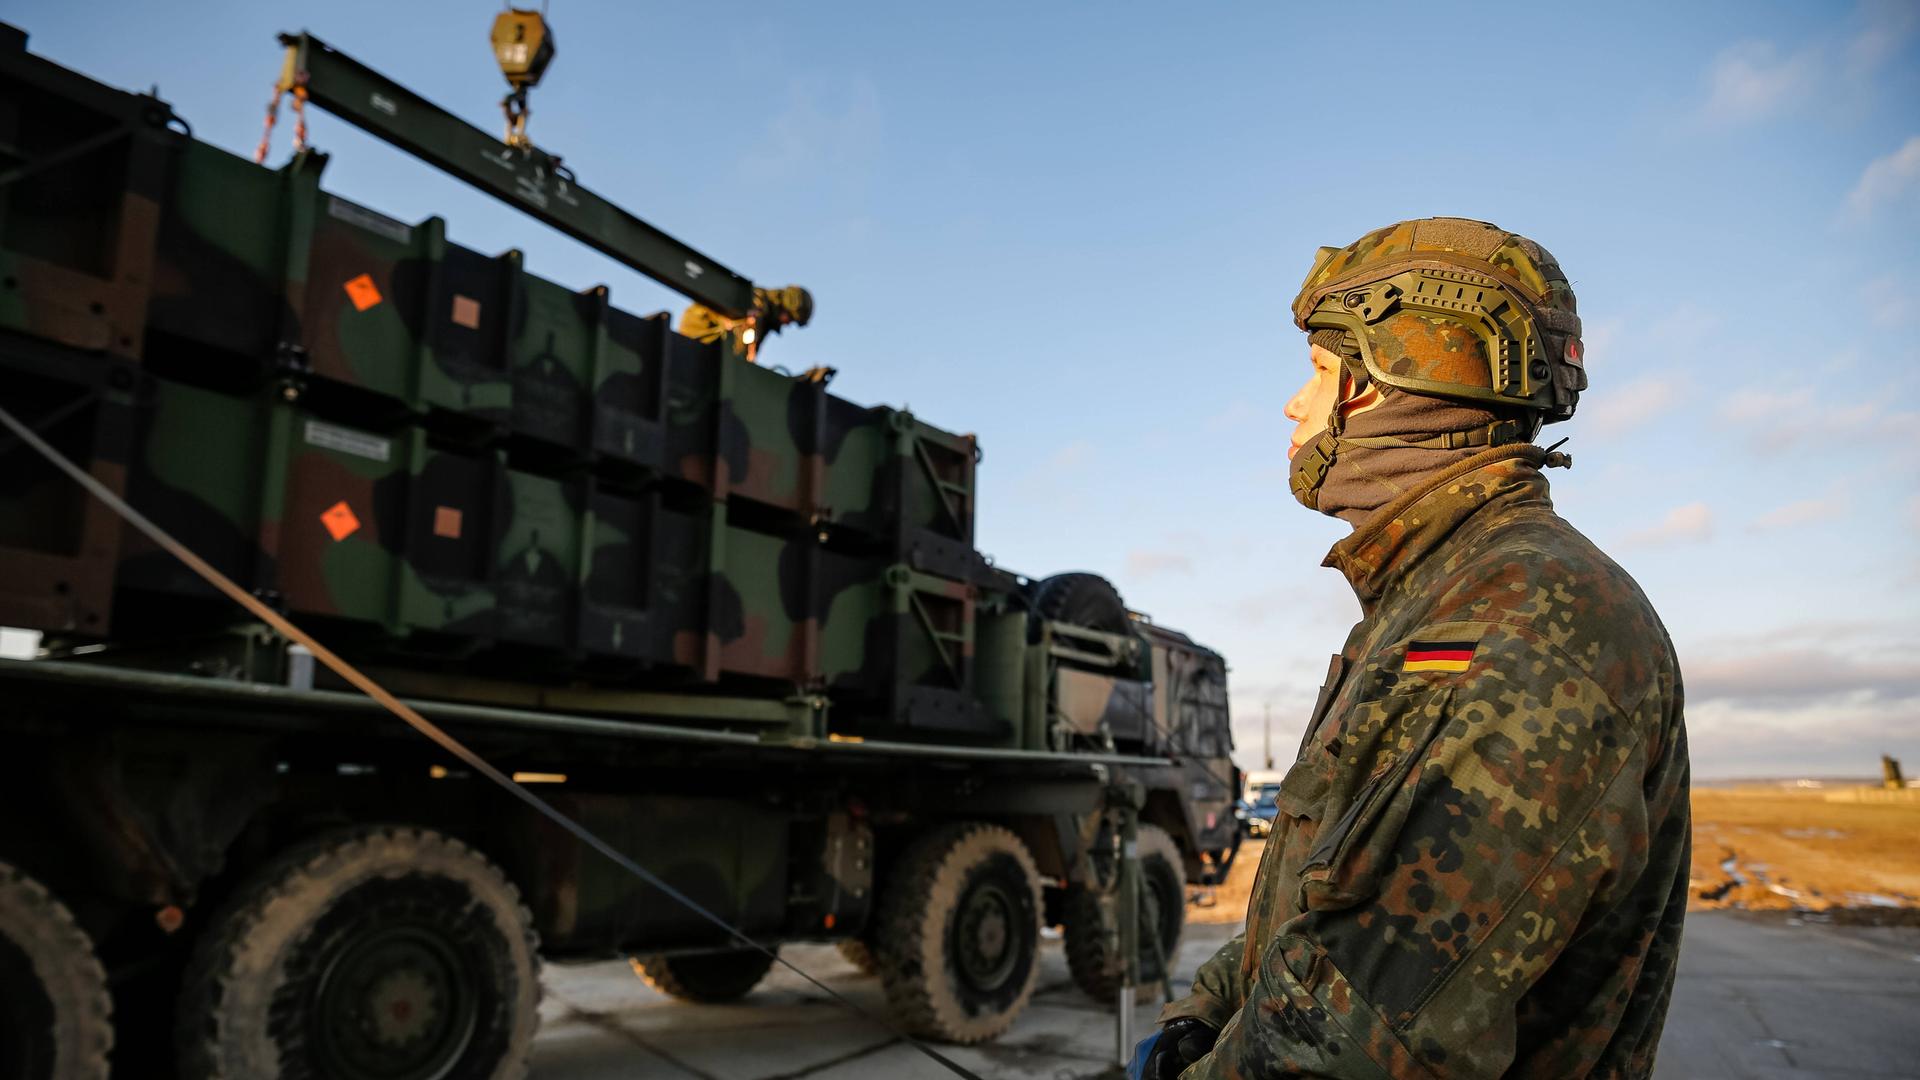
(1762, 847)
(1768, 847)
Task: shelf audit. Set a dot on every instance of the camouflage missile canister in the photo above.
(439, 454)
(398, 310)
(432, 544)
(77, 224)
(219, 251)
(234, 275)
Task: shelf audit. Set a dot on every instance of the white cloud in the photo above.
(1683, 524)
(1749, 405)
(1143, 564)
(1891, 300)
(1754, 80)
(1775, 679)
(1751, 80)
(1616, 411)
(1890, 23)
(824, 130)
(1780, 419)
(1803, 512)
(1685, 324)
(1068, 458)
(1886, 180)
(1835, 735)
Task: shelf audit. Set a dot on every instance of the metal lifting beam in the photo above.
(528, 178)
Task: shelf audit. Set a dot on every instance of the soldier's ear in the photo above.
(1352, 403)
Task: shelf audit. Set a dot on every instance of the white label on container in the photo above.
(348, 441)
(378, 224)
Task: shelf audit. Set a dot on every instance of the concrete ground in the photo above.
(600, 1022)
(1767, 996)
(1759, 998)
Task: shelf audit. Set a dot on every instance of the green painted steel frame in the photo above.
(261, 705)
(529, 179)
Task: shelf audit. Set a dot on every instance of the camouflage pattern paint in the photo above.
(81, 208)
(449, 457)
(399, 310)
(1477, 872)
(220, 250)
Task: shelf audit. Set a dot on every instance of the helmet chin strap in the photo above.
(1311, 462)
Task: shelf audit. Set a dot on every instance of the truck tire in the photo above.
(374, 952)
(1092, 955)
(55, 1012)
(710, 978)
(1082, 599)
(959, 933)
(860, 954)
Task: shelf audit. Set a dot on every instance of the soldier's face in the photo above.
(1313, 403)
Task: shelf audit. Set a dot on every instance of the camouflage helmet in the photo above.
(792, 304)
(1453, 308)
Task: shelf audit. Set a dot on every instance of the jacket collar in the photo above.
(1400, 534)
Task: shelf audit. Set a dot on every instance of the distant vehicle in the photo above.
(1260, 797)
(1261, 812)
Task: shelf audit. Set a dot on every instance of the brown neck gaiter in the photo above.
(1364, 479)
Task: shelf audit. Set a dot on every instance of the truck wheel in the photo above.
(54, 1008)
(1082, 599)
(959, 933)
(382, 952)
(711, 978)
(1092, 953)
(857, 952)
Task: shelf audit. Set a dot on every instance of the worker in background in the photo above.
(1480, 864)
(773, 310)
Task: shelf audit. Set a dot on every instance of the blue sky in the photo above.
(1074, 230)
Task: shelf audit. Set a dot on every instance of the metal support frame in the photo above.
(526, 178)
(1125, 797)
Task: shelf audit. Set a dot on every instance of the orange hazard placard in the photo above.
(446, 522)
(466, 312)
(363, 292)
(340, 521)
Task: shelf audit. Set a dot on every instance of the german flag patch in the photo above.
(1438, 655)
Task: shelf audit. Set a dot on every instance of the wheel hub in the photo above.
(393, 1004)
(985, 931)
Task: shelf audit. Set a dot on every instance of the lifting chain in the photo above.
(297, 88)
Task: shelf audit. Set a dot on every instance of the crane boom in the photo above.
(526, 178)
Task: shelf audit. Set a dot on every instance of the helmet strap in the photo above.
(1499, 433)
(1311, 462)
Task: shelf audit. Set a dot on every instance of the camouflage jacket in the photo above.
(1480, 865)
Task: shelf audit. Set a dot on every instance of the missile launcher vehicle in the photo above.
(734, 625)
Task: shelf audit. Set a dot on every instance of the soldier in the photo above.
(773, 310)
(1480, 863)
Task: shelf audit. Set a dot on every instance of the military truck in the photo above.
(731, 623)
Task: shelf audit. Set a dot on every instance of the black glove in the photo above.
(1182, 1042)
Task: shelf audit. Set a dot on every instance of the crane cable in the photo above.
(432, 731)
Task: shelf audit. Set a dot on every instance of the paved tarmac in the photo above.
(1759, 998)
(1765, 996)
